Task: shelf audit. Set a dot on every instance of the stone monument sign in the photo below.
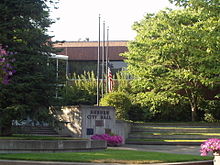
(85, 121)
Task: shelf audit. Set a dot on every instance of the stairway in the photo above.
(43, 131)
(35, 130)
(172, 133)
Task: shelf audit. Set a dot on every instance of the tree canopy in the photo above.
(196, 3)
(175, 54)
(23, 31)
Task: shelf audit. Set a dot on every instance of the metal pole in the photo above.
(98, 63)
(106, 60)
(67, 71)
(103, 59)
(57, 76)
(67, 66)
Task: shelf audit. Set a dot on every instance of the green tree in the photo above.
(23, 27)
(176, 55)
(208, 4)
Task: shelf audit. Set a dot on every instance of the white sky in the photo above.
(79, 18)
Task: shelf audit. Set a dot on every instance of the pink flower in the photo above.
(6, 69)
(210, 145)
(113, 140)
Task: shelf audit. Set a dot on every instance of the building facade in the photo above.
(83, 55)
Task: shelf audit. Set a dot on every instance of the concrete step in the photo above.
(172, 134)
(42, 128)
(144, 136)
(175, 129)
(43, 131)
(188, 143)
(35, 130)
(185, 124)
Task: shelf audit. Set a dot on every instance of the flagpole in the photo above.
(98, 62)
(106, 60)
(103, 59)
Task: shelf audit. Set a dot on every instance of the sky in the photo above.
(78, 19)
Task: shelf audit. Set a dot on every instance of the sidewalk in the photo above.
(177, 149)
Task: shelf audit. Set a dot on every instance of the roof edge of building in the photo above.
(90, 43)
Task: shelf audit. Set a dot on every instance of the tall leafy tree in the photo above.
(175, 55)
(197, 3)
(23, 28)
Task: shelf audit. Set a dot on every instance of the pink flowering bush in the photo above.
(6, 70)
(113, 140)
(210, 145)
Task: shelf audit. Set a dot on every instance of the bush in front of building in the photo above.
(81, 89)
(72, 95)
(120, 101)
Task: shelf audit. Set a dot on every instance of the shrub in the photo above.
(120, 101)
(73, 95)
(139, 113)
(210, 145)
(112, 140)
(169, 112)
(80, 90)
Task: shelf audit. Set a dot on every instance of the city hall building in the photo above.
(83, 55)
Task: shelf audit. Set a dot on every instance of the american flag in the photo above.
(110, 80)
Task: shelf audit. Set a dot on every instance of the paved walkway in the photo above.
(178, 149)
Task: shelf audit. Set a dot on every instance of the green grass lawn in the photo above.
(107, 156)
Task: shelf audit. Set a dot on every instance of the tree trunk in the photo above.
(6, 128)
(194, 113)
(194, 106)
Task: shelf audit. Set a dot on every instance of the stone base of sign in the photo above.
(26, 146)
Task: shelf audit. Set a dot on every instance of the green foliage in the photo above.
(197, 3)
(80, 90)
(211, 110)
(160, 108)
(86, 81)
(122, 82)
(120, 101)
(169, 112)
(139, 113)
(23, 30)
(175, 55)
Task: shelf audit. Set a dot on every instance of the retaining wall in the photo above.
(122, 128)
(25, 146)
